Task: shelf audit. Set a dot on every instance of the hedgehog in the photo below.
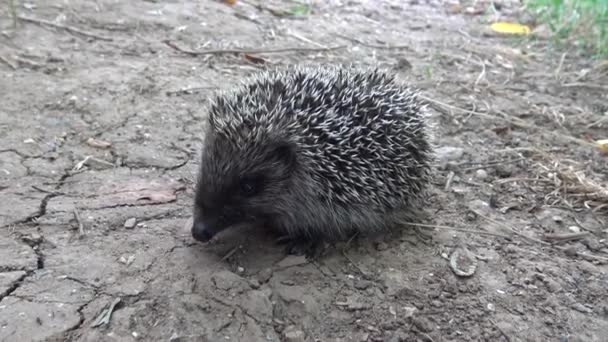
(313, 153)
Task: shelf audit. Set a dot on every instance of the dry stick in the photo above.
(374, 46)
(510, 229)
(7, 62)
(243, 51)
(561, 64)
(480, 232)
(466, 111)
(584, 85)
(64, 27)
(565, 237)
(500, 162)
(513, 121)
(80, 224)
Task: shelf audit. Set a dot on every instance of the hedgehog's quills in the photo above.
(316, 153)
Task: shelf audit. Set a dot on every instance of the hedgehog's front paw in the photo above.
(295, 246)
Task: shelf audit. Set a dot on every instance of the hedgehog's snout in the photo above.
(202, 232)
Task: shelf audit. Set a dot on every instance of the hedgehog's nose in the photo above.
(201, 232)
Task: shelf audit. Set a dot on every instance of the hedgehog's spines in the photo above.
(334, 115)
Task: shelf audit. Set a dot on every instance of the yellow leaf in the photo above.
(603, 145)
(511, 28)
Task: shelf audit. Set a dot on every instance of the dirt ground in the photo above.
(101, 104)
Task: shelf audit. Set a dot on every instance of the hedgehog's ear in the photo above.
(285, 153)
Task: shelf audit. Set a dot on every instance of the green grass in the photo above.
(584, 22)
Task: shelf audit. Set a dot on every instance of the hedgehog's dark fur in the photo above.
(313, 152)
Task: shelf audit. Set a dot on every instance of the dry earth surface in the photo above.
(101, 103)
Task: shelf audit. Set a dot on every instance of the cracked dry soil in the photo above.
(66, 253)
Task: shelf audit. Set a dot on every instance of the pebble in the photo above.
(481, 174)
(422, 324)
(574, 229)
(293, 334)
(361, 284)
(381, 246)
(448, 153)
(264, 275)
(592, 244)
(130, 223)
(409, 311)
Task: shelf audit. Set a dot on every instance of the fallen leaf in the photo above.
(603, 145)
(510, 28)
(98, 143)
(254, 59)
(134, 191)
(299, 9)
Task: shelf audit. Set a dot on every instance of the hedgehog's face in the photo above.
(239, 185)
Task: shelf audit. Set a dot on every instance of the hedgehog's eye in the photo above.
(248, 187)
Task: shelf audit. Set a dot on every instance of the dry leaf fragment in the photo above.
(98, 143)
(254, 59)
(603, 146)
(510, 28)
(230, 2)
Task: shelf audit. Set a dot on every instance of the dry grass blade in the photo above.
(248, 51)
(63, 27)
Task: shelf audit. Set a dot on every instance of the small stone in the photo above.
(381, 246)
(552, 285)
(409, 311)
(293, 334)
(264, 275)
(422, 324)
(254, 283)
(592, 244)
(130, 223)
(448, 153)
(292, 260)
(504, 171)
(362, 284)
(574, 229)
(511, 249)
(481, 174)
(571, 251)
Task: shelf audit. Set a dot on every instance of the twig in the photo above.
(585, 85)
(230, 253)
(64, 27)
(448, 181)
(510, 228)
(373, 46)
(500, 162)
(32, 64)
(54, 193)
(364, 273)
(466, 111)
(482, 74)
(7, 62)
(249, 51)
(80, 224)
(560, 65)
(188, 91)
(480, 232)
(565, 237)
(306, 40)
